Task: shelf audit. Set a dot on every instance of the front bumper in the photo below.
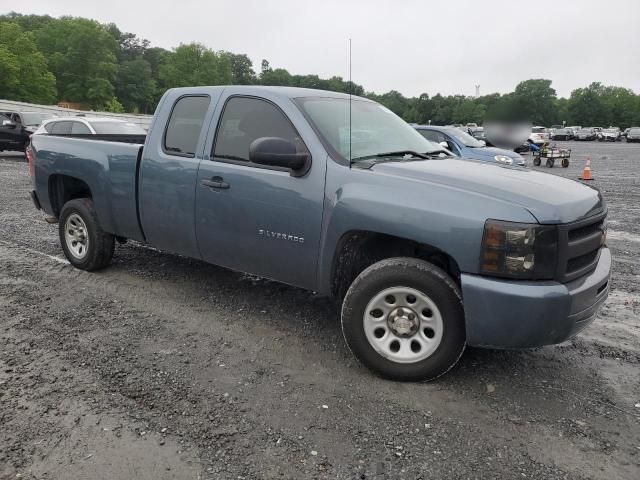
(516, 314)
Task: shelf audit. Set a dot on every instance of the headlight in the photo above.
(503, 159)
(519, 250)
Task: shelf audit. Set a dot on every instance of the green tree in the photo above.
(241, 68)
(23, 69)
(194, 64)
(278, 77)
(135, 86)
(534, 100)
(82, 55)
(587, 107)
(113, 105)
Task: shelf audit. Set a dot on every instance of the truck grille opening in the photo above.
(579, 247)
(580, 232)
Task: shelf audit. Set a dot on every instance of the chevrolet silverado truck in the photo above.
(424, 252)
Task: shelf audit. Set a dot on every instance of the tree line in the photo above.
(46, 60)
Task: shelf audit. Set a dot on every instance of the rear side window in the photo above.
(185, 125)
(61, 128)
(246, 119)
(49, 126)
(433, 136)
(80, 128)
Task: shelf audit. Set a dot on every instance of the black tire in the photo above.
(100, 245)
(550, 162)
(536, 161)
(565, 162)
(418, 275)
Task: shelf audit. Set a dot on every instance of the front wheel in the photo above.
(536, 161)
(550, 162)
(83, 241)
(403, 318)
(565, 162)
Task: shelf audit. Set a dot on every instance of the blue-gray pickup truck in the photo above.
(425, 253)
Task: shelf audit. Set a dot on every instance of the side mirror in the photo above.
(8, 123)
(484, 144)
(278, 152)
(444, 145)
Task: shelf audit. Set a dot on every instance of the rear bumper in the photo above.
(509, 314)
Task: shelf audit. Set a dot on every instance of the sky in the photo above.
(413, 46)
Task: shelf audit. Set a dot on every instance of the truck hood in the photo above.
(549, 198)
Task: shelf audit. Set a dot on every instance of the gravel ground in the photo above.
(165, 367)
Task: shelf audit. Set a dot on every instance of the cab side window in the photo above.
(184, 126)
(246, 119)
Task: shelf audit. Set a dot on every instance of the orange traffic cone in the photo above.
(586, 172)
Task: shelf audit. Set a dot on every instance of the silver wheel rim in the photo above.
(76, 236)
(403, 324)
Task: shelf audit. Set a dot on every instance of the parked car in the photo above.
(464, 145)
(539, 135)
(17, 127)
(562, 134)
(586, 134)
(633, 135)
(625, 132)
(90, 126)
(480, 135)
(574, 129)
(609, 135)
(425, 253)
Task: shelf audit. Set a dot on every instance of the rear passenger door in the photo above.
(168, 174)
(258, 219)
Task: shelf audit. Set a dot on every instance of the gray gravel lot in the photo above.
(163, 367)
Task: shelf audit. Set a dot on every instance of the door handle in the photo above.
(215, 182)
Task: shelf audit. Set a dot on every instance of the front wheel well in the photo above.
(358, 250)
(63, 188)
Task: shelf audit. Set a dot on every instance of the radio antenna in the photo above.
(350, 92)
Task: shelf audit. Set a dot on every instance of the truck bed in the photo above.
(109, 168)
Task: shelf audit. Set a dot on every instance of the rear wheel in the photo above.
(536, 161)
(403, 318)
(83, 241)
(550, 162)
(565, 162)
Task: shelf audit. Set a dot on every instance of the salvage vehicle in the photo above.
(538, 135)
(425, 253)
(562, 134)
(633, 135)
(464, 145)
(609, 135)
(90, 126)
(586, 134)
(17, 127)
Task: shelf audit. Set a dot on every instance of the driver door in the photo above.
(253, 218)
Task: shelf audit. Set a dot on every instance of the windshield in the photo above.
(611, 130)
(374, 129)
(584, 130)
(635, 131)
(539, 130)
(116, 128)
(464, 138)
(34, 118)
